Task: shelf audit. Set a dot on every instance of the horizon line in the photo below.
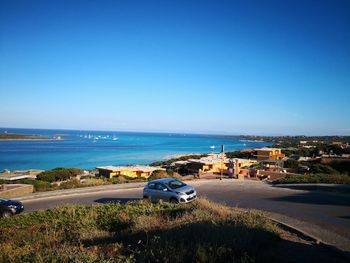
(178, 132)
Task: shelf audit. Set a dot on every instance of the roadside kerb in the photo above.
(341, 248)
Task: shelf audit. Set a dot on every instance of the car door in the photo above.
(151, 192)
(161, 193)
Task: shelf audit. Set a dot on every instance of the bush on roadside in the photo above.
(341, 166)
(181, 158)
(58, 174)
(318, 168)
(314, 178)
(158, 174)
(39, 186)
(94, 181)
(117, 180)
(238, 154)
(291, 164)
(70, 184)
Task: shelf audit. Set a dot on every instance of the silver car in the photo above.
(169, 189)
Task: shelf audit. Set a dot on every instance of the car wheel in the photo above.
(6, 214)
(174, 200)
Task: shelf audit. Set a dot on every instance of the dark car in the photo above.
(10, 207)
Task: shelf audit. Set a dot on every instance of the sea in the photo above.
(90, 149)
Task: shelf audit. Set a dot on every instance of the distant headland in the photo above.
(24, 137)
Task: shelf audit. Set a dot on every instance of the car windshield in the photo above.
(175, 184)
(2, 200)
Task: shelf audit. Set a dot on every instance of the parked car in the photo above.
(10, 207)
(170, 190)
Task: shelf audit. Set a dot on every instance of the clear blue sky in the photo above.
(239, 67)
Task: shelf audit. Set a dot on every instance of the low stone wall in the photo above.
(9, 190)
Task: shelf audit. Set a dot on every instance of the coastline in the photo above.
(44, 150)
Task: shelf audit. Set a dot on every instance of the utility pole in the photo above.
(236, 168)
(231, 168)
(222, 159)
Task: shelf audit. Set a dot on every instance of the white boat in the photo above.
(212, 147)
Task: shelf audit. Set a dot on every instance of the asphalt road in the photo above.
(323, 214)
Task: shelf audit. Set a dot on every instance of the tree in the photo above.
(58, 174)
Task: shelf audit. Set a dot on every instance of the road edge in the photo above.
(344, 254)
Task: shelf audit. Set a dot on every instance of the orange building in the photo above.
(217, 163)
(269, 154)
(129, 171)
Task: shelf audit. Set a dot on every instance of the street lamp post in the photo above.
(222, 159)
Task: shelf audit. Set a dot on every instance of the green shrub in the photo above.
(238, 154)
(158, 174)
(291, 164)
(181, 158)
(341, 166)
(315, 178)
(58, 174)
(39, 186)
(319, 168)
(73, 183)
(92, 181)
(117, 180)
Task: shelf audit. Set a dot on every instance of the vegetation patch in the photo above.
(136, 231)
(239, 154)
(142, 232)
(181, 158)
(58, 174)
(314, 178)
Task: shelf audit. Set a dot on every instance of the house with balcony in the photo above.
(136, 171)
(217, 163)
(269, 154)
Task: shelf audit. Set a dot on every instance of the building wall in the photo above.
(197, 167)
(128, 173)
(274, 154)
(246, 163)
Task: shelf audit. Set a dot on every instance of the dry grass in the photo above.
(139, 231)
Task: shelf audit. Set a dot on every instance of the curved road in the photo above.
(324, 215)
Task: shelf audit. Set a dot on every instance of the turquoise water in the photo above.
(88, 149)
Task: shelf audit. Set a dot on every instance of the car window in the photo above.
(2, 200)
(151, 185)
(175, 184)
(160, 186)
